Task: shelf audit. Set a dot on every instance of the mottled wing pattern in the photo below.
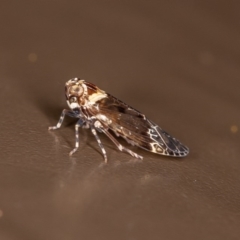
(137, 130)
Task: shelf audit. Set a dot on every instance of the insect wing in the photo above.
(137, 130)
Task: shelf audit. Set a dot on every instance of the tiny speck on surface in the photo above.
(32, 57)
(206, 58)
(234, 129)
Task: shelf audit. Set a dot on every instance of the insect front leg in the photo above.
(64, 112)
(98, 125)
(77, 126)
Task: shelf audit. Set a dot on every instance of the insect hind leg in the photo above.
(121, 148)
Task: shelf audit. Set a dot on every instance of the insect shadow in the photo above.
(47, 100)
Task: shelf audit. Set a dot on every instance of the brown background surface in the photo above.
(177, 62)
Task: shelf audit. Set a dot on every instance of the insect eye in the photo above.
(73, 99)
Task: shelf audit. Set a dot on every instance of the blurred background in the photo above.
(175, 61)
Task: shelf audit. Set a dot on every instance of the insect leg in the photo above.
(99, 143)
(97, 124)
(64, 112)
(79, 124)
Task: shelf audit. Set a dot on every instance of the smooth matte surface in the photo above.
(177, 62)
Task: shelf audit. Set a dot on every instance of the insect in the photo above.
(101, 112)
